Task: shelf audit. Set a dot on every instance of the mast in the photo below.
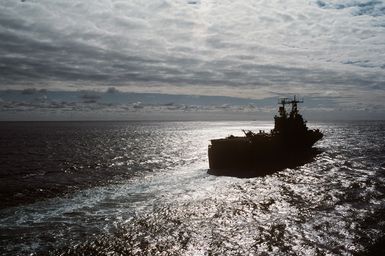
(293, 122)
(282, 110)
(294, 108)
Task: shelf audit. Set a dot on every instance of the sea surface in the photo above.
(142, 188)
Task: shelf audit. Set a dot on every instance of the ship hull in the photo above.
(260, 154)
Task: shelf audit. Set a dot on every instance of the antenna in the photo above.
(283, 101)
(295, 101)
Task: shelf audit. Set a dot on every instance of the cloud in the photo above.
(89, 97)
(122, 105)
(112, 90)
(29, 91)
(246, 48)
(358, 7)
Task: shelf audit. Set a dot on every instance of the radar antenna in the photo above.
(294, 108)
(282, 110)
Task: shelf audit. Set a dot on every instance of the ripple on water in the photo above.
(333, 205)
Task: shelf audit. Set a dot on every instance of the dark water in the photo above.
(126, 188)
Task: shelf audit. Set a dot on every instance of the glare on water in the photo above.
(333, 205)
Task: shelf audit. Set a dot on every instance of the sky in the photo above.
(190, 59)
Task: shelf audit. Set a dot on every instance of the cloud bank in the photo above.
(245, 49)
(33, 104)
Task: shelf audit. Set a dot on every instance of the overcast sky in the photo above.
(331, 51)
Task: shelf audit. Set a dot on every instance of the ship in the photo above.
(288, 145)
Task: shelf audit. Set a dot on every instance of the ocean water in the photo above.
(142, 188)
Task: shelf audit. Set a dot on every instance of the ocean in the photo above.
(142, 188)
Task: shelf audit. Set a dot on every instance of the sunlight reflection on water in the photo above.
(327, 206)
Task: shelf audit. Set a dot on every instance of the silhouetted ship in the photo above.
(289, 144)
